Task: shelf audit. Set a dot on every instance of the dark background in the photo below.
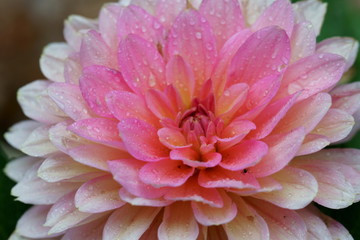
(27, 26)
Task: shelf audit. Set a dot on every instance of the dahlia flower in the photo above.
(175, 119)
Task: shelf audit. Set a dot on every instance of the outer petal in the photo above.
(346, 47)
(92, 230)
(312, 74)
(225, 18)
(17, 168)
(36, 103)
(67, 217)
(303, 41)
(143, 202)
(280, 13)
(31, 223)
(282, 148)
(53, 59)
(312, 11)
(208, 216)
(129, 222)
(19, 132)
(96, 82)
(75, 28)
(141, 140)
(283, 224)
(178, 223)
(98, 195)
(307, 113)
(141, 64)
(247, 225)
(266, 52)
(337, 231)
(317, 230)
(108, 19)
(299, 188)
(191, 38)
(38, 144)
(167, 11)
(335, 125)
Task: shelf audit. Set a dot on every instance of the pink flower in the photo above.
(189, 120)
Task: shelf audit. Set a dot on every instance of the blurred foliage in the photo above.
(342, 19)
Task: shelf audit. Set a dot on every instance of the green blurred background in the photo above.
(27, 26)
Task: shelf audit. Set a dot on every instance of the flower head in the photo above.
(189, 120)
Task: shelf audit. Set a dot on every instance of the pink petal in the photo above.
(165, 173)
(96, 82)
(68, 97)
(142, 65)
(167, 11)
(60, 167)
(159, 104)
(243, 155)
(208, 215)
(178, 223)
(224, 17)
(31, 224)
(266, 184)
(94, 51)
(311, 11)
(132, 17)
(98, 195)
(53, 59)
(315, 225)
(171, 138)
(191, 191)
(280, 14)
(36, 103)
(299, 188)
(123, 104)
(247, 224)
(307, 113)
(192, 158)
(335, 125)
(72, 69)
(139, 201)
(126, 172)
(253, 9)
(303, 41)
(92, 230)
(218, 177)
(75, 28)
(100, 130)
(68, 217)
(283, 223)
(345, 47)
(181, 76)
(226, 54)
(232, 99)
(141, 140)
(234, 133)
(19, 132)
(259, 96)
(266, 52)
(313, 143)
(335, 190)
(267, 120)
(282, 148)
(312, 74)
(191, 38)
(129, 222)
(108, 19)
